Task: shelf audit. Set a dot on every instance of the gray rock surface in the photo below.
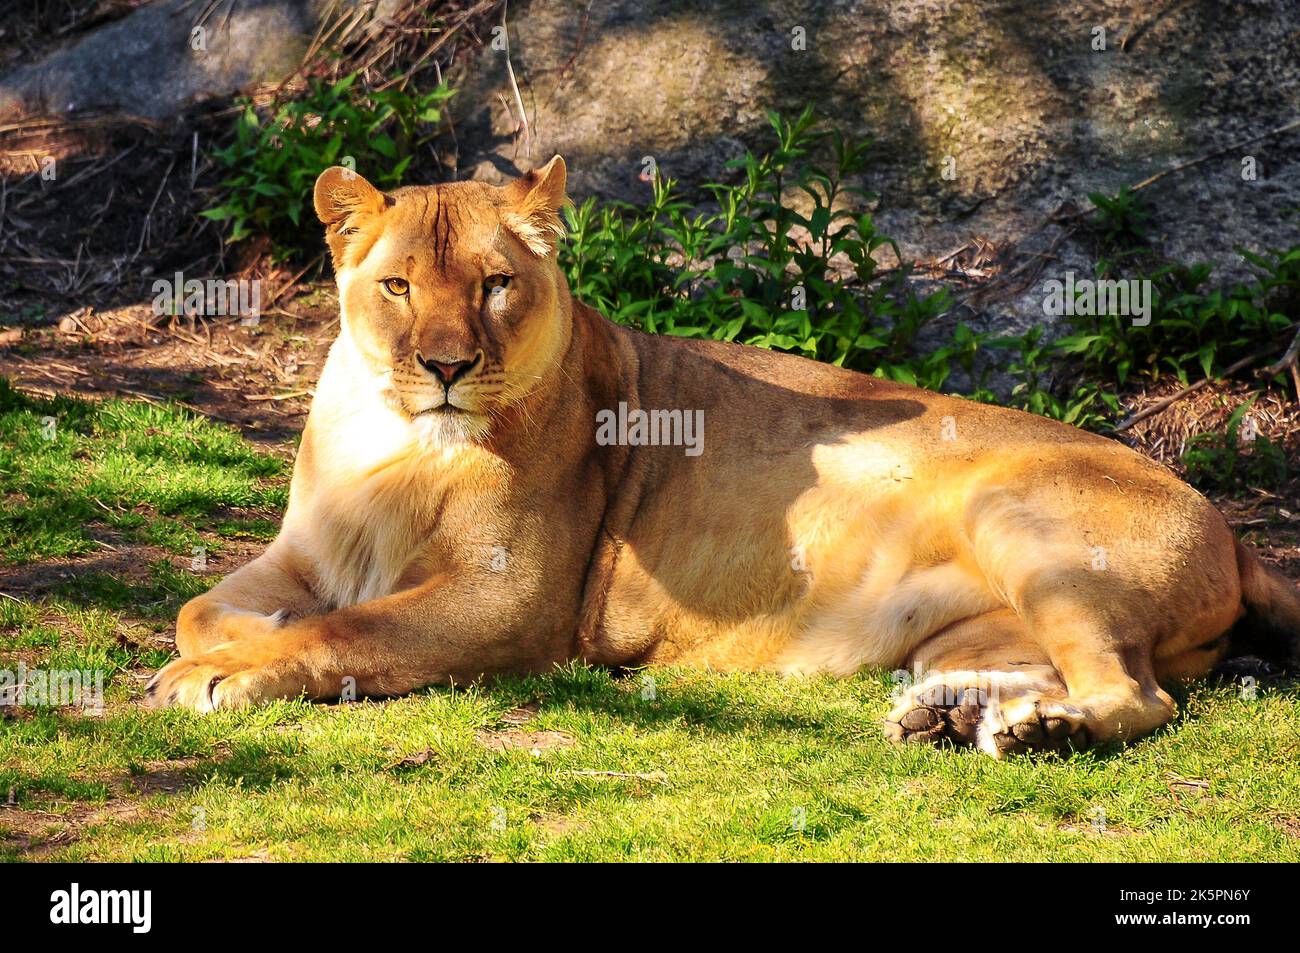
(1013, 90)
(153, 64)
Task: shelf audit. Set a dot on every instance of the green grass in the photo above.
(713, 767)
(145, 473)
(721, 768)
(107, 501)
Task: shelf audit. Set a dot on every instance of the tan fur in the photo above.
(833, 520)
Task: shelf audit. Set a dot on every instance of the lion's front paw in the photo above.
(221, 679)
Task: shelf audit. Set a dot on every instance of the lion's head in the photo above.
(448, 293)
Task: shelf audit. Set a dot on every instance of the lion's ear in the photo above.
(532, 207)
(341, 197)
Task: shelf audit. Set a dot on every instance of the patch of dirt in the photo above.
(163, 777)
(557, 824)
(521, 715)
(415, 760)
(1290, 826)
(513, 739)
(95, 208)
(1270, 524)
(124, 561)
(129, 563)
(260, 378)
(1180, 787)
(262, 856)
(37, 833)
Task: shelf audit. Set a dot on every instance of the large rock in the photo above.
(153, 63)
(1018, 99)
(1031, 114)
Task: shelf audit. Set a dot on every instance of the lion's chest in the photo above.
(378, 529)
(379, 500)
(366, 536)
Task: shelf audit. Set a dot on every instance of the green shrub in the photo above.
(1194, 332)
(741, 274)
(272, 164)
(780, 260)
(759, 270)
(1226, 462)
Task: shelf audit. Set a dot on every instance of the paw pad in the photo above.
(1039, 733)
(941, 714)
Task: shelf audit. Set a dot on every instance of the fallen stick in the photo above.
(1152, 179)
(1288, 362)
(657, 776)
(1172, 399)
(289, 396)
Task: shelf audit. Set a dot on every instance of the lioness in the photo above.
(455, 511)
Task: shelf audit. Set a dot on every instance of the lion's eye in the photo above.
(493, 283)
(396, 286)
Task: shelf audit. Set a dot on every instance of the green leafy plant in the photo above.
(1122, 218)
(1194, 332)
(1224, 461)
(785, 258)
(1036, 365)
(273, 160)
(783, 263)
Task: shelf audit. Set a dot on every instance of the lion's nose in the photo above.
(447, 371)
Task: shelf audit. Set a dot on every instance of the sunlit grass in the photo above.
(715, 767)
(152, 474)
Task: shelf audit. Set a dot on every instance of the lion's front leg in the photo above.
(384, 647)
(251, 602)
(235, 675)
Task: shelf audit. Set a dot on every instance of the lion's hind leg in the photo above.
(985, 682)
(963, 676)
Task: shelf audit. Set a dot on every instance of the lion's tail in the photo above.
(1272, 621)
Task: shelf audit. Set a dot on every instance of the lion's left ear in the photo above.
(532, 207)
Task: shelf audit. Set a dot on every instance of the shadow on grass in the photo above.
(703, 701)
(31, 827)
(140, 473)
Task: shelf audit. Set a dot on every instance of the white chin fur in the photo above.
(440, 430)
